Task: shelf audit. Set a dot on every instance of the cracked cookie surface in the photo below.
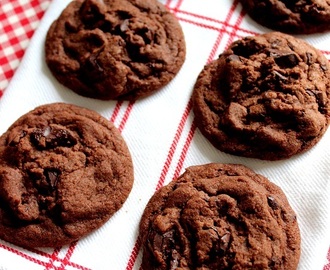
(120, 49)
(64, 171)
(294, 17)
(219, 216)
(265, 97)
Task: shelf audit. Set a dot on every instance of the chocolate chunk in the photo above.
(16, 139)
(90, 13)
(284, 59)
(52, 177)
(49, 138)
(91, 70)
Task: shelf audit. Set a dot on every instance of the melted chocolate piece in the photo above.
(52, 177)
(50, 138)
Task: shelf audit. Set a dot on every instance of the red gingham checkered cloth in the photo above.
(209, 27)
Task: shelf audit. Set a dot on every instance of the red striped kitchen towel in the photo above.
(159, 130)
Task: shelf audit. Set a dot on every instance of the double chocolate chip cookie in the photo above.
(119, 49)
(219, 216)
(64, 171)
(291, 16)
(265, 97)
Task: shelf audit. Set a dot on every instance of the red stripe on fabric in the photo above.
(126, 115)
(177, 6)
(220, 36)
(217, 29)
(47, 255)
(68, 255)
(214, 20)
(238, 22)
(116, 111)
(134, 254)
(23, 255)
(184, 151)
(53, 257)
(327, 266)
(173, 148)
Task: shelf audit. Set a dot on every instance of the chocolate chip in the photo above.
(49, 138)
(37, 138)
(62, 138)
(284, 59)
(318, 96)
(165, 243)
(246, 48)
(93, 64)
(52, 177)
(272, 203)
(90, 14)
(12, 141)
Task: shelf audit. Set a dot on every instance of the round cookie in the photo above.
(64, 171)
(265, 97)
(119, 49)
(295, 17)
(219, 216)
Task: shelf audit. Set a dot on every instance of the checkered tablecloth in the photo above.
(18, 21)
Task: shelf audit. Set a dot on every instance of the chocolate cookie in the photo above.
(265, 97)
(219, 216)
(295, 17)
(64, 171)
(119, 49)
